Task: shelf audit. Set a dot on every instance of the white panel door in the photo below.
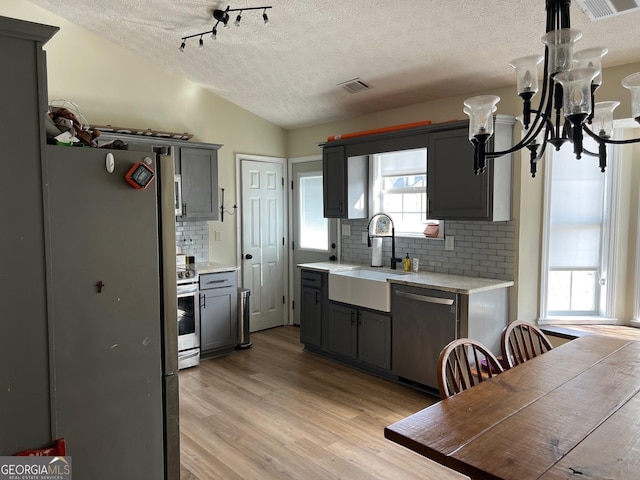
(263, 242)
(314, 237)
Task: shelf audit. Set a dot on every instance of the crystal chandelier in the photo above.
(568, 87)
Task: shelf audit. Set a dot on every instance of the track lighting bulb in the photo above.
(214, 33)
(184, 44)
(201, 43)
(265, 17)
(238, 18)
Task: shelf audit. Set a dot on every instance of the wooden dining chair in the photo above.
(522, 341)
(464, 363)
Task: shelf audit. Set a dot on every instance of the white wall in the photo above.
(114, 86)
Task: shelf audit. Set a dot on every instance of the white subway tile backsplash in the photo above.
(192, 238)
(482, 249)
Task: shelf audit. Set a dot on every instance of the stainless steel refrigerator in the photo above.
(113, 325)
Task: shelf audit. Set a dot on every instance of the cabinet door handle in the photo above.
(211, 282)
(184, 209)
(353, 320)
(317, 297)
(203, 300)
(425, 298)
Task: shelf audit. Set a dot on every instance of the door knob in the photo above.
(332, 258)
(248, 256)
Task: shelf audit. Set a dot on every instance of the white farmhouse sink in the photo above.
(364, 288)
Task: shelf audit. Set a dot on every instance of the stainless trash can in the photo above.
(244, 314)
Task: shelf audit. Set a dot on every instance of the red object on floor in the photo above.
(59, 449)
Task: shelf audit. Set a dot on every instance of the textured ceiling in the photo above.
(287, 72)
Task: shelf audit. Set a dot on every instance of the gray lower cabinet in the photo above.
(198, 169)
(361, 335)
(218, 313)
(313, 296)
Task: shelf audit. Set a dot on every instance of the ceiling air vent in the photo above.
(354, 86)
(601, 9)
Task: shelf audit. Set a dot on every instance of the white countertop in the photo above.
(210, 267)
(438, 281)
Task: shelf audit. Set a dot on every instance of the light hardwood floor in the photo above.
(276, 412)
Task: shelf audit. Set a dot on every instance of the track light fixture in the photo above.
(567, 99)
(222, 16)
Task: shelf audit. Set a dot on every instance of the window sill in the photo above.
(577, 320)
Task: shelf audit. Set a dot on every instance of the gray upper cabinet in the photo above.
(345, 183)
(198, 168)
(453, 191)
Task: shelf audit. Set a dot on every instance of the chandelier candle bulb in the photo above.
(560, 44)
(632, 82)
(527, 81)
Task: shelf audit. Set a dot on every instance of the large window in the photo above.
(313, 226)
(399, 189)
(577, 235)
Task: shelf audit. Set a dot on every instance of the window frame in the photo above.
(375, 190)
(608, 254)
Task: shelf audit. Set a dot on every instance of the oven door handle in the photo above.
(184, 291)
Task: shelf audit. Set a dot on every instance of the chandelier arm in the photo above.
(608, 140)
(528, 138)
(541, 118)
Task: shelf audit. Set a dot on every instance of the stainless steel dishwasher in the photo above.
(424, 321)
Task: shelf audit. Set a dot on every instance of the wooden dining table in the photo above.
(571, 413)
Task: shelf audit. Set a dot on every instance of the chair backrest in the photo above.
(522, 341)
(464, 363)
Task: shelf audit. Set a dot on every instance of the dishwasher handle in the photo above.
(425, 298)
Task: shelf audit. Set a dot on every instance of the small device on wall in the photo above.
(140, 176)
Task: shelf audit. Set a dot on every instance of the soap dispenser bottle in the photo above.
(407, 263)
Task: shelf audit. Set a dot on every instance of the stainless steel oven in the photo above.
(188, 322)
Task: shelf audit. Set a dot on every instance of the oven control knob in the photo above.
(180, 274)
(189, 273)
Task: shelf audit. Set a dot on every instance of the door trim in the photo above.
(291, 161)
(285, 216)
